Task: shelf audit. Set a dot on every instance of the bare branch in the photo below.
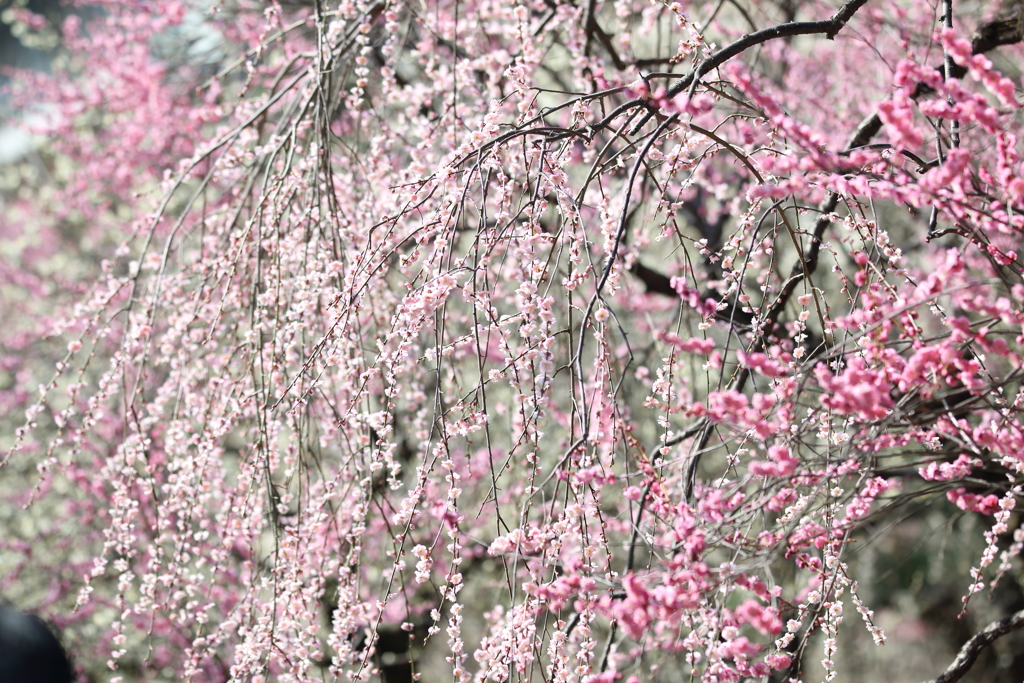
(973, 647)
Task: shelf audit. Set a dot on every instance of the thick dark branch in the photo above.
(970, 651)
(654, 282)
(829, 27)
(999, 32)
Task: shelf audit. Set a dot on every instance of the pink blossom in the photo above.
(948, 471)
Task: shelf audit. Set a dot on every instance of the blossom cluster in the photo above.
(377, 322)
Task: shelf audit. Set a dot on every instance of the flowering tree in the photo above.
(577, 341)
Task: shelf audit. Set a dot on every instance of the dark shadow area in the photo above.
(29, 651)
(13, 52)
